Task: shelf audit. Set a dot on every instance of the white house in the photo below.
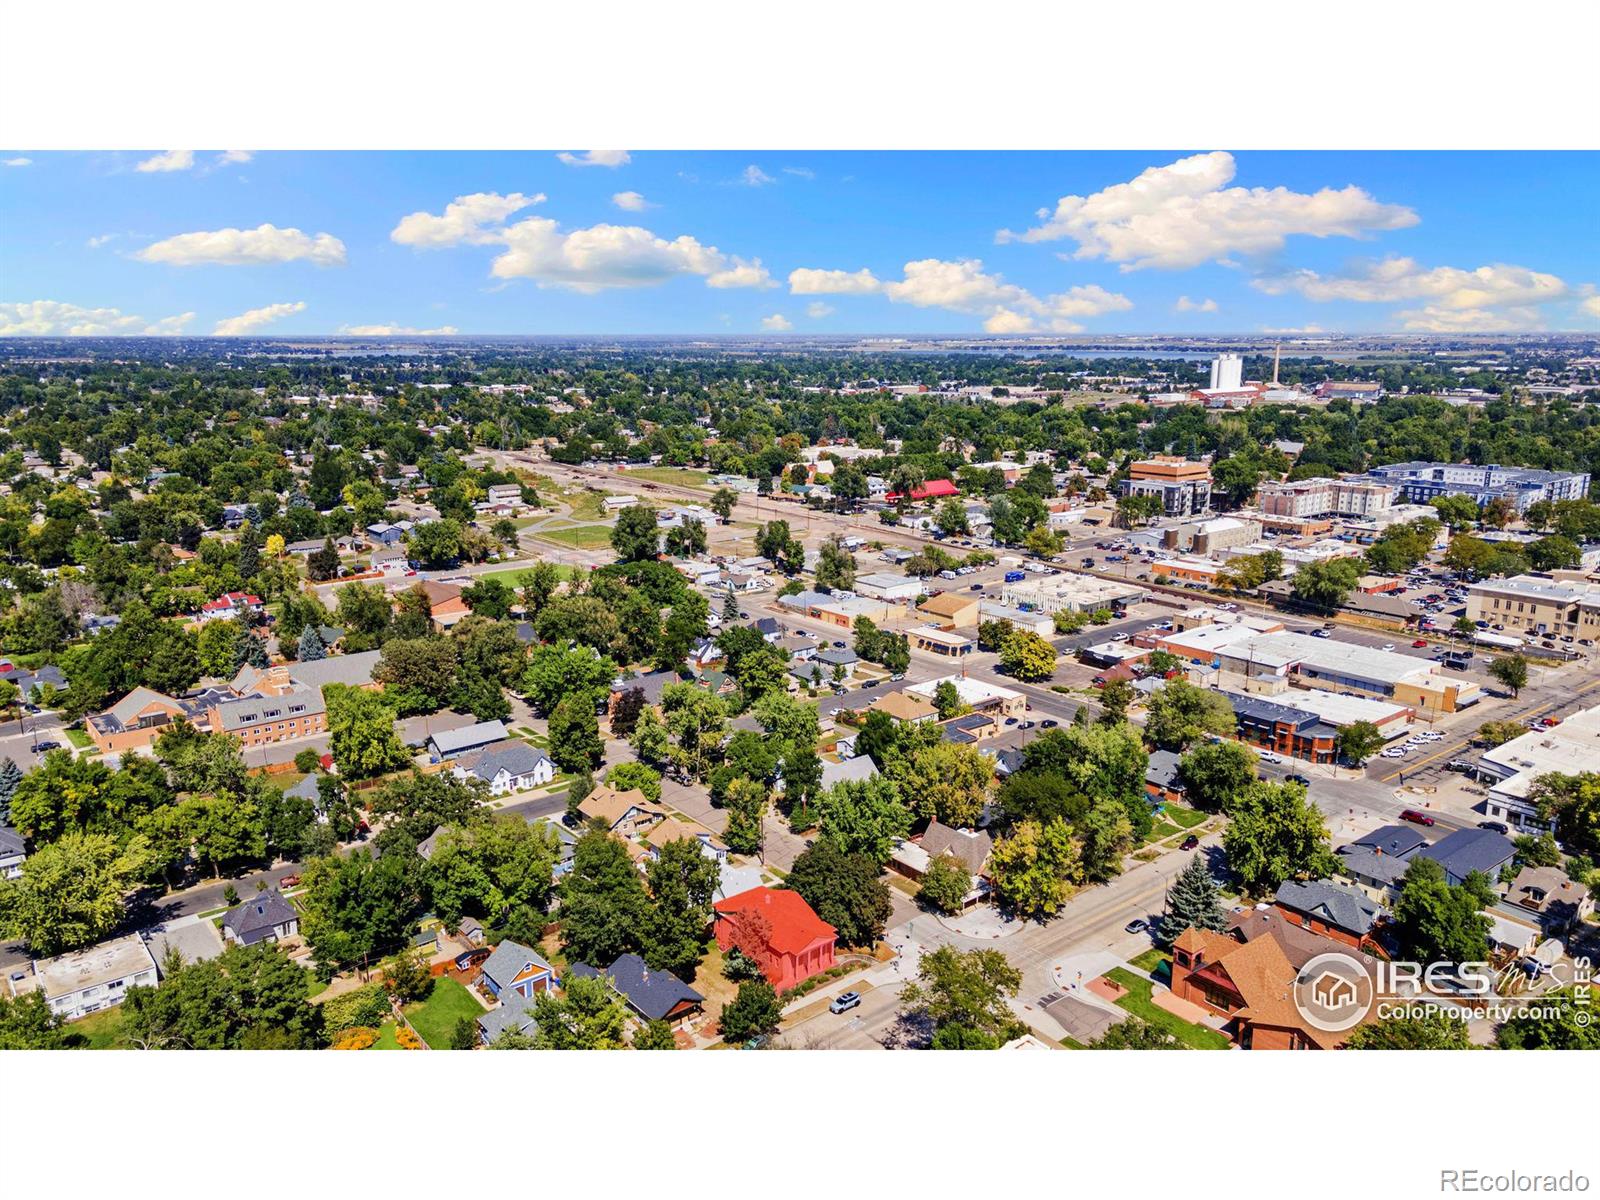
(88, 980)
(512, 766)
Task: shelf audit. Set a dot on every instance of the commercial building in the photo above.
(889, 585)
(1268, 663)
(975, 694)
(1182, 486)
(1420, 482)
(1537, 605)
(1570, 748)
(930, 639)
(1033, 622)
(1304, 499)
(951, 610)
(1282, 729)
(1227, 373)
(1070, 592)
(1208, 537)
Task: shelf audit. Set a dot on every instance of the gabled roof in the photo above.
(791, 925)
(514, 1012)
(1163, 769)
(609, 805)
(513, 756)
(509, 958)
(1468, 850)
(652, 994)
(856, 770)
(468, 736)
(262, 911)
(1336, 904)
(969, 847)
(1396, 840)
(903, 706)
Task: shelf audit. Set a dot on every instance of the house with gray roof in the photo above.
(513, 969)
(514, 1013)
(1397, 841)
(1377, 875)
(13, 853)
(1162, 779)
(1337, 910)
(509, 766)
(353, 670)
(649, 995)
(451, 743)
(1467, 850)
(264, 917)
(851, 770)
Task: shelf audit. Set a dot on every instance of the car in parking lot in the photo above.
(844, 1002)
(1415, 817)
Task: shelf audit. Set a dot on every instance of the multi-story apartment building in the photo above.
(1182, 485)
(1537, 605)
(1308, 498)
(1420, 482)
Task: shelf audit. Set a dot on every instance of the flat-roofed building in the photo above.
(1303, 499)
(951, 610)
(1537, 604)
(1208, 537)
(975, 694)
(888, 585)
(1033, 622)
(85, 981)
(1420, 482)
(1182, 485)
(1570, 748)
(1272, 661)
(930, 639)
(1070, 592)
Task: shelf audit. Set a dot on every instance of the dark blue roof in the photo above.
(1468, 850)
(1394, 840)
(652, 994)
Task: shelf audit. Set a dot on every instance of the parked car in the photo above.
(1499, 827)
(1137, 925)
(1420, 644)
(844, 1002)
(1300, 779)
(1189, 843)
(42, 747)
(1415, 817)
(289, 881)
(1048, 723)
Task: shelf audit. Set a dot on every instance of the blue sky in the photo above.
(737, 242)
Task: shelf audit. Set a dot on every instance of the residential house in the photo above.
(515, 970)
(13, 853)
(514, 1013)
(445, 602)
(1377, 875)
(264, 917)
(1558, 902)
(509, 766)
(671, 829)
(626, 814)
(1162, 780)
(85, 981)
(451, 743)
(229, 606)
(851, 770)
(1467, 850)
(1339, 911)
(779, 931)
(968, 848)
(1396, 841)
(649, 995)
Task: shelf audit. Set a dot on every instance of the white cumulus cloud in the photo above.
(249, 322)
(776, 323)
(1185, 304)
(596, 158)
(19, 161)
(245, 247)
(396, 331)
(1493, 298)
(754, 176)
(818, 309)
(1183, 214)
(47, 318)
(474, 219)
(811, 281)
(228, 157)
(740, 273)
(1592, 306)
(172, 160)
(630, 201)
(609, 256)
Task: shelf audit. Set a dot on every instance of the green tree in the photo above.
(1027, 656)
(682, 881)
(71, 892)
(746, 803)
(949, 782)
(1572, 802)
(1181, 713)
(324, 563)
(575, 733)
(604, 907)
(361, 732)
(357, 908)
(836, 566)
(863, 817)
(752, 1015)
(723, 501)
(844, 890)
(26, 1023)
(1437, 922)
(1193, 902)
(655, 1035)
(634, 536)
(944, 885)
(1512, 671)
(1323, 585)
(1358, 741)
(697, 721)
(1036, 868)
(651, 740)
(311, 648)
(1275, 834)
(775, 542)
(250, 997)
(587, 1015)
(1430, 1029)
(965, 994)
(628, 775)
(1214, 773)
(1136, 1034)
(1557, 1020)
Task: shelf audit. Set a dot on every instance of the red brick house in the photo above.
(777, 929)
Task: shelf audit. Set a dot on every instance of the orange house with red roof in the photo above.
(779, 930)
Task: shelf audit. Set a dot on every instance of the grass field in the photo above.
(512, 577)
(579, 537)
(1184, 818)
(100, 1031)
(587, 506)
(78, 738)
(435, 1018)
(386, 1037)
(676, 476)
(1138, 1002)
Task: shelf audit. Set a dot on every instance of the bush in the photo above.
(360, 1037)
(364, 1006)
(407, 1038)
(945, 885)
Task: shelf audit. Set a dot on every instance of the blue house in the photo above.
(513, 969)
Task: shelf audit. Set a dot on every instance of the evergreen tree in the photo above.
(249, 551)
(730, 609)
(1193, 900)
(10, 776)
(312, 647)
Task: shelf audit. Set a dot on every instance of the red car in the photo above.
(289, 881)
(1415, 817)
(1420, 644)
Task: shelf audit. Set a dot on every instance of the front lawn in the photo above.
(1184, 818)
(512, 577)
(436, 1017)
(99, 1031)
(1139, 1003)
(386, 1037)
(579, 537)
(78, 738)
